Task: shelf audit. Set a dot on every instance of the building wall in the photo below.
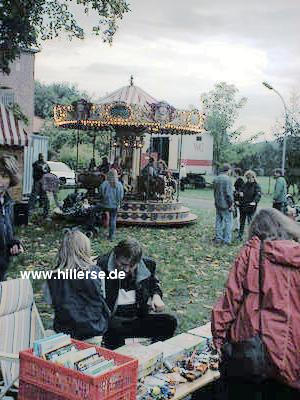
(19, 84)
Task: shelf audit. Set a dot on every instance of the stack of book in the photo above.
(60, 349)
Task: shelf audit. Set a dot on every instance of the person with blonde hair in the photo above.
(9, 245)
(261, 305)
(249, 197)
(79, 305)
(111, 194)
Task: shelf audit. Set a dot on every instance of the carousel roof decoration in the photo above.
(129, 108)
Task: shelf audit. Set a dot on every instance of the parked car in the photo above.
(65, 174)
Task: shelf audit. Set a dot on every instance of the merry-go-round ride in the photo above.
(133, 118)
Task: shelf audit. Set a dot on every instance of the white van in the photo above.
(65, 174)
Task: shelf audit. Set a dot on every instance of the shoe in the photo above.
(217, 242)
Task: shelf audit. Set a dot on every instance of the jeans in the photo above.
(37, 190)
(280, 207)
(112, 222)
(158, 327)
(223, 225)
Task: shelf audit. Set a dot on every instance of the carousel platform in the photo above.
(155, 213)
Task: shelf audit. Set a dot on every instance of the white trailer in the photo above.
(196, 151)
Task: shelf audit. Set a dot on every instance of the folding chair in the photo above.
(20, 326)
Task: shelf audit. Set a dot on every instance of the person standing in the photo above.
(223, 195)
(9, 245)
(250, 194)
(111, 193)
(39, 168)
(280, 192)
(238, 184)
(261, 301)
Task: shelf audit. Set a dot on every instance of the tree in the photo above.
(24, 23)
(221, 107)
(63, 140)
(47, 96)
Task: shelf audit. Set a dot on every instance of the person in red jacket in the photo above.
(235, 317)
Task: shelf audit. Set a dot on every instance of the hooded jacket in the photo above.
(235, 317)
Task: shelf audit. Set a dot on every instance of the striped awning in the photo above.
(12, 131)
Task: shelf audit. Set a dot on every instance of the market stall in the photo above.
(133, 118)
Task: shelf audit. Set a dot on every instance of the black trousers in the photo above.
(245, 214)
(280, 207)
(4, 262)
(236, 389)
(158, 327)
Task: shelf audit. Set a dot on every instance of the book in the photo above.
(88, 362)
(52, 355)
(69, 359)
(37, 343)
(53, 343)
(99, 369)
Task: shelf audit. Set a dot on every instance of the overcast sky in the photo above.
(177, 50)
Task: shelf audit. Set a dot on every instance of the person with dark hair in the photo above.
(9, 245)
(238, 184)
(223, 195)
(261, 303)
(250, 195)
(280, 192)
(104, 167)
(130, 299)
(39, 168)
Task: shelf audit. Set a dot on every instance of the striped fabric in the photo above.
(12, 132)
(129, 95)
(20, 323)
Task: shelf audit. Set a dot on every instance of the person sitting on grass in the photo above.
(130, 299)
(9, 245)
(79, 306)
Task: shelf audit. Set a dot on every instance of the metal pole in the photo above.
(267, 85)
(94, 144)
(148, 178)
(77, 150)
(180, 151)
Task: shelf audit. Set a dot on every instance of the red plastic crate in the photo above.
(45, 380)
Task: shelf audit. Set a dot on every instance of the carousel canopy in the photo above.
(129, 95)
(129, 109)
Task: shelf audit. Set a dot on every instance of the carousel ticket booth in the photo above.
(134, 119)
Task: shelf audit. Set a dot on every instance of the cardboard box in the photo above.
(202, 331)
(150, 359)
(182, 344)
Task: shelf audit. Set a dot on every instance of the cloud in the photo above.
(177, 50)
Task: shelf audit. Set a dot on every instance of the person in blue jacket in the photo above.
(111, 194)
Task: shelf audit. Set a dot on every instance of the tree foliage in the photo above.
(24, 23)
(63, 140)
(47, 96)
(221, 106)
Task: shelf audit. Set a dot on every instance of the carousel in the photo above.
(132, 119)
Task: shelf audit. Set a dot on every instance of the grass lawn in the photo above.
(192, 271)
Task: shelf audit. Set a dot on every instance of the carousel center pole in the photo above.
(180, 151)
(77, 157)
(148, 169)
